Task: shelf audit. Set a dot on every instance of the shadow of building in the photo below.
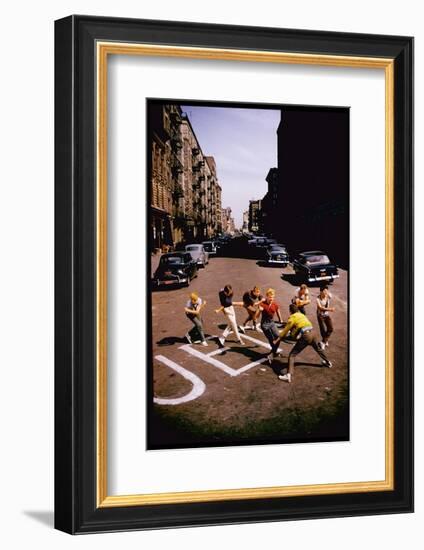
(307, 203)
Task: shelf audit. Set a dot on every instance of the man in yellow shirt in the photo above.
(300, 329)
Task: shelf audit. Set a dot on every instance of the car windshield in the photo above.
(171, 260)
(275, 248)
(318, 259)
(192, 247)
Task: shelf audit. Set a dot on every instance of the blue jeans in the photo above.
(271, 332)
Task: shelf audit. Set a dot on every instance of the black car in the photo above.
(315, 266)
(261, 242)
(175, 268)
(210, 247)
(276, 254)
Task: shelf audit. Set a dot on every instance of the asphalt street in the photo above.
(212, 396)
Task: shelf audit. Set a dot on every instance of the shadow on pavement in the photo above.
(171, 340)
(166, 288)
(263, 263)
(295, 280)
(291, 278)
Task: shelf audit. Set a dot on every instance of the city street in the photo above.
(213, 396)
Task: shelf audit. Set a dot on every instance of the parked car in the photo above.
(269, 242)
(210, 247)
(198, 253)
(223, 240)
(261, 242)
(226, 238)
(175, 268)
(276, 254)
(314, 266)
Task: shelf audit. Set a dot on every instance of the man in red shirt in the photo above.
(269, 308)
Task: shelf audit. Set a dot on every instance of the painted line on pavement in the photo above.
(198, 384)
(260, 342)
(250, 365)
(209, 357)
(222, 366)
(210, 360)
(217, 351)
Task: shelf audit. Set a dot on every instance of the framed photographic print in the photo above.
(233, 274)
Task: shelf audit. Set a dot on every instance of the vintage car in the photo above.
(210, 247)
(314, 266)
(175, 268)
(225, 239)
(198, 253)
(261, 242)
(276, 254)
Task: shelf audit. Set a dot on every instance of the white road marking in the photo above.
(208, 359)
(217, 351)
(250, 365)
(260, 343)
(198, 384)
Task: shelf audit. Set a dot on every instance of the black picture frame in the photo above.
(76, 484)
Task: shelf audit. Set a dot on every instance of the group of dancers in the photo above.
(261, 312)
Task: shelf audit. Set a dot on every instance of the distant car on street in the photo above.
(269, 242)
(276, 254)
(175, 268)
(223, 240)
(261, 242)
(198, 253)
(210, 247)
(226, 238)
(315, 266)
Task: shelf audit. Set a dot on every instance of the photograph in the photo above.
(248, 273)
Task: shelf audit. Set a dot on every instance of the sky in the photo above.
(244, 145)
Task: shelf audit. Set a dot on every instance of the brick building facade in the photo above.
(185, 192)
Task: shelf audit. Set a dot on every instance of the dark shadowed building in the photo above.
(309, 206)
(270, 213)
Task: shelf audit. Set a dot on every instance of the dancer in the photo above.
(251, 300)
(269, 308)
(300, 327)
(301, 298)
(227, 307)
(323, 315)
(192, 310)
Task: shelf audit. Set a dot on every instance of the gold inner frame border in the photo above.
(103, 50)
